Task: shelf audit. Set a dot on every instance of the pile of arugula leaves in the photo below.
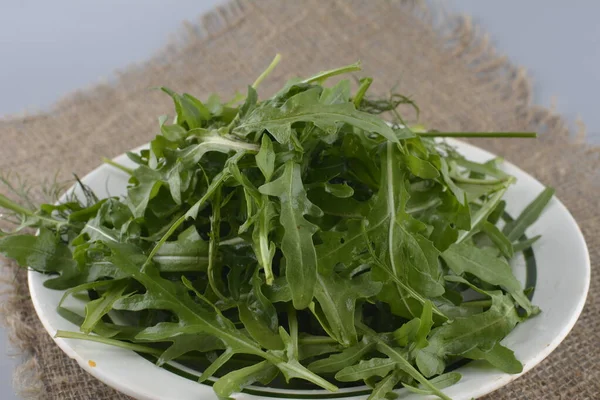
(300, 237)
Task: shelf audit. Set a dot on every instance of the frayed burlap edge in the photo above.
(463, 39)
(26, 378)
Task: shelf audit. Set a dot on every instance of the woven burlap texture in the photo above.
(442, 62)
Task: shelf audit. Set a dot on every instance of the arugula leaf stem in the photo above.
(462, 179)
(215, 222)
(317, 340)
(232, 242)
(7, 203)
(112, 342)
(360, 93)
(322, 76)
(115, 164)
(267, 71)
(293, 326)
(479, 134)
(478, 303)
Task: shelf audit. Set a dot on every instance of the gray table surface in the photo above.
(48, 49)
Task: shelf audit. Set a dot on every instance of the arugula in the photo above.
(297, 243)
(295, 238)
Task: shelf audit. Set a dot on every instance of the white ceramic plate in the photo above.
(559, 266)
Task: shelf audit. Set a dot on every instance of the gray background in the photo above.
(48, 49)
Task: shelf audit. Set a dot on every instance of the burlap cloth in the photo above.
(444, 63)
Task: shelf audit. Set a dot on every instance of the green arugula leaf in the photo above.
(188, 253)
(96, 309)
(260, 317)
(421, 168)
(499, 239)
(484, 264)
(441, 382)
(403, 364)
(514, 230)
(305, 107)
(462, 335)
(366, 369)
(184, 344)
(525, 244)
(235, 381)
(408, 332)
(297, 243)
(499, 356)
(189, 109)
(45, 253)
(384, 387)
(349, 356)
(337, 299)
(412, 261)
(265, 158)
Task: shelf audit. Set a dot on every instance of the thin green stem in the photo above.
(267, 71)
(213, 246)
(479, 134)
(112, 163)
(462, 179)
(478, 303)
(360, 93)
(7, 203)
(112, 342)
(163, 239)
(232, 242)
(321, 76)
(317, 340)
(257, 82)
(293, 325)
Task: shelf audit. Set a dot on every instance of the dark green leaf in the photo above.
(366, 369)
(484, 264)
(349, 356)
(499, 356)
(481, 331)
(305, 106)
(44, 253)
(297, 244)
